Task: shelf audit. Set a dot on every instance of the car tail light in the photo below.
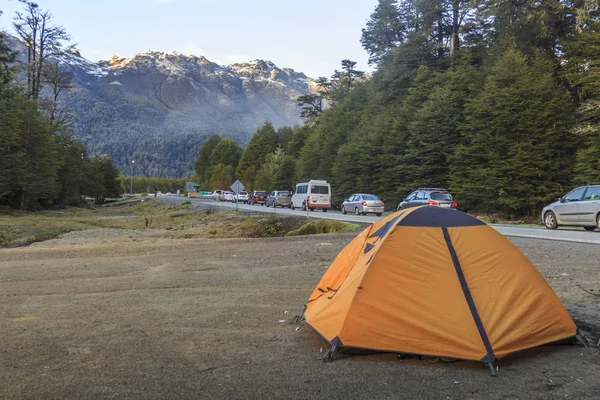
(382, 204)
(308, 198)
(330, 199)
(364, 203)
(454, 204)
(432, 203)
(276, 197)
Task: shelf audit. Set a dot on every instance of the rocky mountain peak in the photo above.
(160, 106)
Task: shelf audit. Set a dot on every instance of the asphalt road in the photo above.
(575, 235)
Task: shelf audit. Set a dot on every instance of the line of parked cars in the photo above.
(316, 195)
(579, 207)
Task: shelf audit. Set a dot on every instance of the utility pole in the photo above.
(131, 178)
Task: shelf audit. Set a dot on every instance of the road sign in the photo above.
(237, 187)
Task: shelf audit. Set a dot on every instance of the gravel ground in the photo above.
(129, 315)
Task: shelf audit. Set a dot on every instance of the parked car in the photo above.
(216, 195)
(316, 194)
(363, 203)
(241, 197)
(428, 196)
(579, 207)
(281, 198)
(257, 197)
(228, 196)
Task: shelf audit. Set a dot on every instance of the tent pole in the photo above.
(491, 365)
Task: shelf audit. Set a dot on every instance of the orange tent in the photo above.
(438, 282)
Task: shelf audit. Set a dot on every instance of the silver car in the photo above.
(579, 207)
(281, 198)
(362, 204)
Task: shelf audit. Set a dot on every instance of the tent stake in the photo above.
(491, 365)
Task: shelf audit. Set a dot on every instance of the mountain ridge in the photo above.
(158, 107)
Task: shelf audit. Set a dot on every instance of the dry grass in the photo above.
(321, 226)
(181, 221)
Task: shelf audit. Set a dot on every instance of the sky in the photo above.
(310, 36)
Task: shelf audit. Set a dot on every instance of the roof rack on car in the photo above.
(431, 189)
(592, 183)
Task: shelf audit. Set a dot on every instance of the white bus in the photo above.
(316, 194)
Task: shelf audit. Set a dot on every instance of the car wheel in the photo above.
(364, 213)
(598, 221)
(344, 211)
(378, 214)
(550, 220)
(589, 228)
(292, 207)
(267, 204)
(356, 211)
(303, 206)
(325, 209)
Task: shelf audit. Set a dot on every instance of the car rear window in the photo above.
(260, 193)
(283, 193)
(243, 193)
(441, 196)
(370, 197)
(318, 189)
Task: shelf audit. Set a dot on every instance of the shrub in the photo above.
(316, 227)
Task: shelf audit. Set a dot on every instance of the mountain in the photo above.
(157, 108)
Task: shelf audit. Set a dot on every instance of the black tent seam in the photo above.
(465, 288)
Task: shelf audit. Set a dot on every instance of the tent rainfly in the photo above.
(438, 282)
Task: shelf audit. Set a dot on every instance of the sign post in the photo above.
(237, 187)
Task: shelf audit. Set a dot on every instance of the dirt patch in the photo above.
(124, 313)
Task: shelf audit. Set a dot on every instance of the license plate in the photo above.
(445, 205)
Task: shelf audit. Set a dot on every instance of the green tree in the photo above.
(226, 152)
(281, 170)
(518, 153)
(528, 25)
(13, 156)
(110, 175)
(284, 136)
(222, 176)
(202, 164)
(262, 143)
(332, 130)
(385, 30)
(102, 179)
(343, 81)
(314, 104)
(581, 69)
(71, 173)
(297, 141)
(7, 57)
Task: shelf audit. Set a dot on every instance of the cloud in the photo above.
(191, 49)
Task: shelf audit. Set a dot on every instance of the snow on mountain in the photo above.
(158, 107)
